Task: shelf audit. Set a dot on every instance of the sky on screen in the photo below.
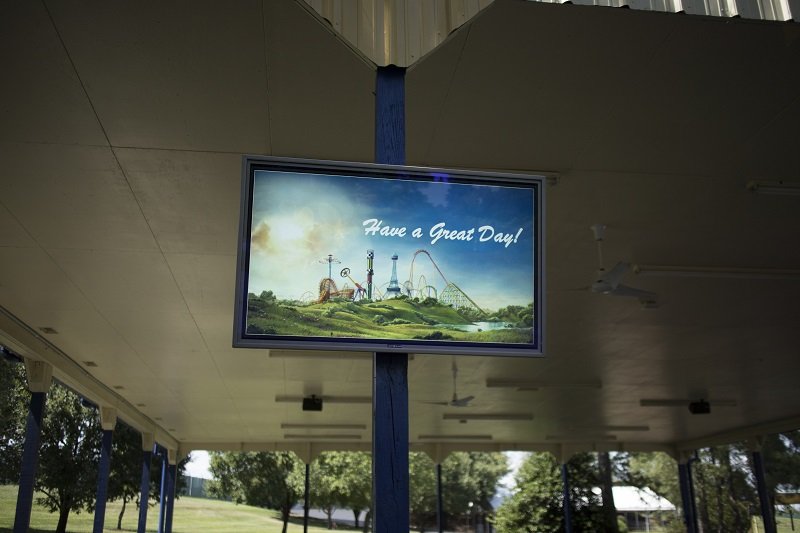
(299, 219)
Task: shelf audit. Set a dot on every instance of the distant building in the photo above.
(642, 509)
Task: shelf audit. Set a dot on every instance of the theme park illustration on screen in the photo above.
(370, 258)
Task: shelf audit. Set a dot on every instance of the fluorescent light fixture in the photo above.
(487, 416)
(292, 436)
(599, 429)
(282, 398)
(778, 187)
(528, 385)
(454, 437)
(323, 426)
(716, 272)
(682, 402)
(581, 438)
(338, 356)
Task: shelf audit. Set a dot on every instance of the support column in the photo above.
(390, 443)
(148, 440)
(390, 370)
(108, 420)
(40, 376)
(685, 482)
(439, 506)
(764, 501)
(172, 482)
(164, 490)
(305, 499)
(567, 503)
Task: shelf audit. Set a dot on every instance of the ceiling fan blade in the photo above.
(462, 402)
(614, 276)
(436, 403)
(624, 290)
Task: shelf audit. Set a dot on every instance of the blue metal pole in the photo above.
(30, 461)
(439, 506)
(390, 370)
(390, 443)
(306, 495)
(566, 499)
(172, 475)
(685, 481)
(162, 511)
(144, 491)
(104, 471)
(173, 487)
(763, 496)
(390, 116)
(692, 498)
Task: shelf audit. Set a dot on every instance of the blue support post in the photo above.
(439, 506)
(390, 370)
(162, 510)
(40, 376)
(172, 476)
(763, 497)
(390, 116)
(566, 501)
(104, 470)
(30, 462)
(390, 443)
(685, 481)
(144, 487)
(305, 498)
(144, 491)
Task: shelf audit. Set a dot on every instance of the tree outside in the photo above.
(66, 479)
(14, 400)
(537, 505)
(274, 480)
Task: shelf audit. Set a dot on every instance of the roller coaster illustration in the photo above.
(451, 295)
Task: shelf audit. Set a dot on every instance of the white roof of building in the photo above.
(635, 499)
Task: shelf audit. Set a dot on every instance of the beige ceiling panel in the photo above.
(217, 331)
(87, 199)
(118, 283)
(210, 408)
(321, 102)
(248, 365)
(185, 75)
(187, 373)
(207, 282)
(41, 98)
(702, 125)
(12, 234)
(191, 200)
(529, 108)
(334, 370)
(158, 335)
(39, 293)
(769, 152)
(255, 389)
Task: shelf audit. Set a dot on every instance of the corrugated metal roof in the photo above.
(396, 32)
(400, 32)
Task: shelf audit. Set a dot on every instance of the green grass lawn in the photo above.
(192, 515)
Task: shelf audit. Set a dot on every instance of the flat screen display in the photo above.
(347, 256)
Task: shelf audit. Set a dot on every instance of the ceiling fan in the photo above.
(609, 281)
(455, 401)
